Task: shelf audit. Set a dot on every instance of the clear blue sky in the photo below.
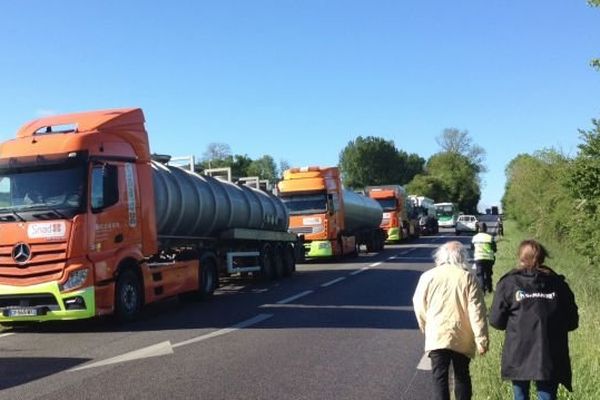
(299, 79)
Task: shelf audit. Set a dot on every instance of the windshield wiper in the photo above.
(43, 207)
(55, 211)
(12, 212)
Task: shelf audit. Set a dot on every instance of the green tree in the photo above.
(459, 177)
(375, 161)
(536, 196)
(584, 184)
(428, 186)
(264, 168)
(239, 165)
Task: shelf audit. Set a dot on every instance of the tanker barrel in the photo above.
(361, 212)
(189, 204)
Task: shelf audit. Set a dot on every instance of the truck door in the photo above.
(114, 212)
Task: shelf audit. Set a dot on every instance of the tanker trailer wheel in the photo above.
(209, 278)
(267, 269)
(289, 260)
(128, 295)
(278, 261)
(370, 242)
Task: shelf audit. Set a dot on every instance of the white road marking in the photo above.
(333, 282)
(6, 334)
(220, 332)
(425, 363)
(375, 264)
(295, 297)
(166, 348)
(358, 271)
(155, 350)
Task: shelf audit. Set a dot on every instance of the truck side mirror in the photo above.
(330, 206)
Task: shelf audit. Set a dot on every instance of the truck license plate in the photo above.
(22, 312)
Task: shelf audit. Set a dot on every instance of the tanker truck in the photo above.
(90, 225)
(330, 220)
(400, 220)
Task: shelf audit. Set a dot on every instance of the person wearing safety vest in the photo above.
(484, 254)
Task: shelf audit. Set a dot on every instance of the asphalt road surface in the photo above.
(343, 329)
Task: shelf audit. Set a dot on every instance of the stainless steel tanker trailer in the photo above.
(236, 227)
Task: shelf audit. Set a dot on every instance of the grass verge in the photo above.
(584, 280)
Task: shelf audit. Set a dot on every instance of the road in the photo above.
(342, 329)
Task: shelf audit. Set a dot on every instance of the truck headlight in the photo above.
(76, 279)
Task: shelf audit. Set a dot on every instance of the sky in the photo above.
(299, 79)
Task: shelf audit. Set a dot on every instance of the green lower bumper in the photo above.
(56, 311)
(319, 248)
(393, 235)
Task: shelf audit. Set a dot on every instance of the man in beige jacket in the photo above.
(451, 312)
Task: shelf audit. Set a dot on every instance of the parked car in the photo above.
(466, 223)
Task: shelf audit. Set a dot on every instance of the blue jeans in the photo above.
(546, 390)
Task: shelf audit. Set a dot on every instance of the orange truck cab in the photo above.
(76, 216)
(78, 228)
(398, 220)
(331, 220)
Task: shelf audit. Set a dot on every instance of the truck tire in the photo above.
(209, 278)
(278, 261)
(289, 260)
(267, 270)
(380, 242)
(128, 295)
(370, 244)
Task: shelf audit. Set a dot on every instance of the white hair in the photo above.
(451, 253)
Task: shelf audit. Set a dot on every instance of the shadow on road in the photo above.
(15, 371)
(375, 304)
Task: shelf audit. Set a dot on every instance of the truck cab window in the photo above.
(105, 186)
(5, 200)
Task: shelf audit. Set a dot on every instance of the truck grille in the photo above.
(29, 300)
(301, 229)
(47, 260)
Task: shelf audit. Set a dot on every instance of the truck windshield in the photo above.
(306, 204)
(388, 204)
(24, 192)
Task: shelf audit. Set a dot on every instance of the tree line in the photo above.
(219, 155)
(452, 174)
(557, 197)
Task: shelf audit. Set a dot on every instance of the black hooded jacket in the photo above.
(537, 309)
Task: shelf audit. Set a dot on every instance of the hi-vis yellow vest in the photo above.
(483, 246)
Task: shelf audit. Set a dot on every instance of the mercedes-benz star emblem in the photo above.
(21, 253)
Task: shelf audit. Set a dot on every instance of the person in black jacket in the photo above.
(537, 309)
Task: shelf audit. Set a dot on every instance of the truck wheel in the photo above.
(381, 242)
(278, 261)
(208, 278)
(128, 295)
(267, 270)
(370, 245)
(289, 260)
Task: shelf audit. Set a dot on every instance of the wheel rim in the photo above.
(129, 297)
